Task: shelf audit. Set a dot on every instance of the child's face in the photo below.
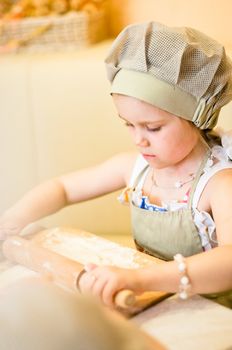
(161, 137)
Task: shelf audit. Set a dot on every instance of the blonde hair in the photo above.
(211, 137)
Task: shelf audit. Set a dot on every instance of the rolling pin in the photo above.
(66, 272)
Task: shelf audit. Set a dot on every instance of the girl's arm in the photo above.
(209, 272)
(57, 193)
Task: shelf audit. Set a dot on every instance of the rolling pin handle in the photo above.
(125, 298)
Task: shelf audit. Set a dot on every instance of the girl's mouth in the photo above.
(148, 156)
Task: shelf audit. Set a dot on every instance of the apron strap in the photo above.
(197, 178)
(140, 177)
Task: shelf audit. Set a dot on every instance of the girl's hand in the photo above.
(105, 281)
(8, 228)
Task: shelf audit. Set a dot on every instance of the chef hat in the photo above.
(177, 69)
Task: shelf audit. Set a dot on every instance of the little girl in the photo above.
(168, 86)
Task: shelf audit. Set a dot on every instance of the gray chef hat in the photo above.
(177, 69)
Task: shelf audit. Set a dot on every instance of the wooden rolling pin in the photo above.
(66, 272)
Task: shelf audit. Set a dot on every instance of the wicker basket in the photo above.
(55, 33)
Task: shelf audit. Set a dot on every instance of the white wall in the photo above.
(57, 116)
(18, 159)
(210, 16)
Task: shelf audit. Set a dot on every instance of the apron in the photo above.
(164, 234)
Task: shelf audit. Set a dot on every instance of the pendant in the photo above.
(178, 184)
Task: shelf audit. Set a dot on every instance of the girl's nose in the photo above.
(140, 140)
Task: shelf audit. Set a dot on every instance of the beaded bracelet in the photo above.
(185, 284)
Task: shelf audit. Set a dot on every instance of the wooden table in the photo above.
(197, 323)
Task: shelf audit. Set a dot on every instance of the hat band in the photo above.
(159, 93)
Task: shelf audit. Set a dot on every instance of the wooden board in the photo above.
(84, 247)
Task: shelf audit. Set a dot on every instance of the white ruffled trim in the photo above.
(206, 228)
(203, 220)
(226, 140)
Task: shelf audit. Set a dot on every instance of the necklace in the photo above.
(177, 185)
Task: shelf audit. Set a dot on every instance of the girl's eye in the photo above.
(154, 129)
(128, 124)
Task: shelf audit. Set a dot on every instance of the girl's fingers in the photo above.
(108, 293)
(103, 282)
(98, 287)
(90, 267)
(86, 282)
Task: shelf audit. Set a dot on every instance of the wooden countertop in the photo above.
(196, 323)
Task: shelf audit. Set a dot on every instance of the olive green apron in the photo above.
(164, 234)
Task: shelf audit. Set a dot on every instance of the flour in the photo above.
(87, 248)
(47, 266)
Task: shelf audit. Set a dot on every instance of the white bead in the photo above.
(182, 267)
(183, 295)
(184, 280)
(178, 257)
(209, 162)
